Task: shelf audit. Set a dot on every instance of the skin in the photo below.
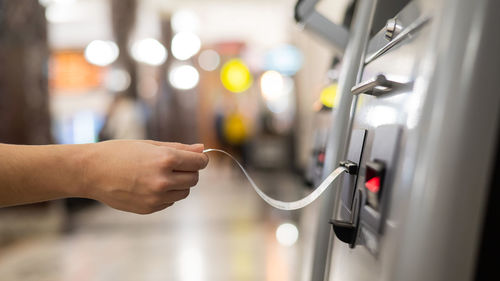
(129, 175)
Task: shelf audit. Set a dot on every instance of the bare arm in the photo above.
(135, 176)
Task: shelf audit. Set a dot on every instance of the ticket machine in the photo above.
(418, 122)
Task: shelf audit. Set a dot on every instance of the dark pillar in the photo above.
(24, 106)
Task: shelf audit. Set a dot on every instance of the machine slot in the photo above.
(349, 180)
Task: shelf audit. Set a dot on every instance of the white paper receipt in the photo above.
(293, 205)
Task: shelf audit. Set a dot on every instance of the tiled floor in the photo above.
(222, 231)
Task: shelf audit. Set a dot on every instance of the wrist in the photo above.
(83, 163)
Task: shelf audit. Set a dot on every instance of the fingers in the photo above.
(167, 200)
(156, 203)
(186, 157)
(188, 161)
(199, 147)
(182, 180)
(146, 210)
(163, 206)
(176, 195)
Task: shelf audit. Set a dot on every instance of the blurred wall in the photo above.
(24, 111)
(318, 56)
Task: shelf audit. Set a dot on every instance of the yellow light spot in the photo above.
(328, 95)
(361, 100)
(235, 76)
(235, 129)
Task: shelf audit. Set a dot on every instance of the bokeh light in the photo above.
(149, 51)
(185, 45)
(235, 76)
(185, 20)
(286, 59)
(191, 264)
(209, 60)
(117, 80)
(328, 94)
(183, 77)
(271, 84)
(101, 53)
(277, 91)
(61, 11)
(235, 130)
(287, 234)
(84, 129)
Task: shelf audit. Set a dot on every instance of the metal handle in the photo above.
(375, 87)
(378, 86)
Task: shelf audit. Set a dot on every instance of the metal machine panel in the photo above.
(403, 19)
(439, 154)
(393, 113)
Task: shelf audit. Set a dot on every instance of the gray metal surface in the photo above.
(405, 17)
(339, 131)
(371, 112)
(405, 33)
(457, 139)
(449, 120)
(384, 10)
(304, 8)
(335, 34)
(306, 14)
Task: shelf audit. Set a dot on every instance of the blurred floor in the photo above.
(222, 231)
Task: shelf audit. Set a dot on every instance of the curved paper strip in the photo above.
(293, 205)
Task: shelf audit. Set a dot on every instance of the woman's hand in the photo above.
(141, 176)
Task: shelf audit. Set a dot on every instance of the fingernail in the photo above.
(199, 145)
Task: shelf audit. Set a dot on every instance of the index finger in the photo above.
(199, 147)
(189, 147)
(188, 161)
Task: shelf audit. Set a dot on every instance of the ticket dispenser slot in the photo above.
(346, 227)
(348, 185)
(347, 230)
(376, 186)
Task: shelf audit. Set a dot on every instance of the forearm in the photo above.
(39, 173)
(136, 175)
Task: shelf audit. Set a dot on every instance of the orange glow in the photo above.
(71, 73)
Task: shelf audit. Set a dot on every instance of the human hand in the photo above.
(141, 176)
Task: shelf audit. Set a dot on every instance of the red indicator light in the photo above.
(373, 184)
(321, 157)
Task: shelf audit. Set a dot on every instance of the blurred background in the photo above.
(236, 75)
